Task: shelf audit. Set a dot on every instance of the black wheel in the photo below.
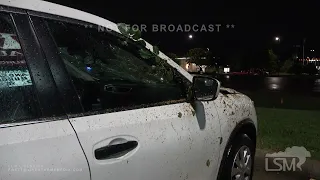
(238, 159)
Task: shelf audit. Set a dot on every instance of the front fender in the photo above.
(233, 109)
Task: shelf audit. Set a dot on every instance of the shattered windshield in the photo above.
(96, 57)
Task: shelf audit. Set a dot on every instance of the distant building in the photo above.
(197, 68)
(190, 67)
(315, 61)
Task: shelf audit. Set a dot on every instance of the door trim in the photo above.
(45, 87)
(69, 98)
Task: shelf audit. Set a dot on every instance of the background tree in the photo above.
(210, 59)
(297, 69)
(201, 57)
(310, 69)
(272, 61)
(287, 65)
(174, 57)
(196, 56)
(236, 60)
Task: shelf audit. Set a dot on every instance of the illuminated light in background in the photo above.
(275, 83)
(274, 86)
(89, 68)
(275, 79)
(203, 68)
(226, 70)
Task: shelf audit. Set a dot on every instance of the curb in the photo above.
(311, 167)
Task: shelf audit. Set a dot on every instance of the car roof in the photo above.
(59, 10)
(56, 9)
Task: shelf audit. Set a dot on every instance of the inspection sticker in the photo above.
(15, 78)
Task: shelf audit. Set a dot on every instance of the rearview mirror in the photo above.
(205, 88)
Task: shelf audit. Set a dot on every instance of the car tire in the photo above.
(238, 159)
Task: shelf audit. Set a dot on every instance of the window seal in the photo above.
(119, 110)
(32, 121)
(8, 9)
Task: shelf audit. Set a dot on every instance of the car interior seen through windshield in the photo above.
(115, 68)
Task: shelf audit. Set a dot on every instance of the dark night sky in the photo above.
(256, 24)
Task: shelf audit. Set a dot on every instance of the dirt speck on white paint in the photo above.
(208, 163)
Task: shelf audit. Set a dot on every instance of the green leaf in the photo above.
(136, 34)
(124, 43)
(124, 29)
(158, 59)
(169, 75)
(155, 50)
(145, 54)
(142, 43)
(130, 31)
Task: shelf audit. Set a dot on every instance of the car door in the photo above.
(136, 121)
(37, 141)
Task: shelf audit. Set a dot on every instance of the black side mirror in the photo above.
(205, 88)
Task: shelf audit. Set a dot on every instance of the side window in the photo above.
(16, 89)
(109, 72)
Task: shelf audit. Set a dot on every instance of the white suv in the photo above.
(81, 103)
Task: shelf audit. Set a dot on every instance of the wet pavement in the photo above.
(284, 92)
(287, 84)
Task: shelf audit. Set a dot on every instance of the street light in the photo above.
(277, 38)
(190, 36)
